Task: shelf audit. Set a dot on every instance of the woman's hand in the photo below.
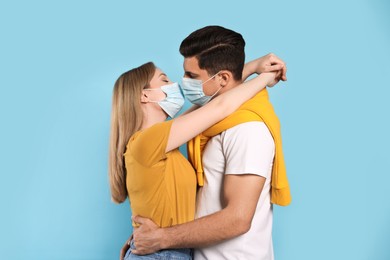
(267, 63)
(272, 78)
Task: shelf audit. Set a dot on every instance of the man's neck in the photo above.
(231, 85)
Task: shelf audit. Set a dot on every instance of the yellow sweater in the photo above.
(258, 108)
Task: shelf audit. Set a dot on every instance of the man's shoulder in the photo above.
(250, 128)
(248, 134)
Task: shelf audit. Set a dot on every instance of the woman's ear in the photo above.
(225, 78)
(144, 97)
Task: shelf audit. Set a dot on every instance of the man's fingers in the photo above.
(144, 221)
(138, 252)
(138, 219)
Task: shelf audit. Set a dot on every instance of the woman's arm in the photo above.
(192, 108)
(267, 63)
(188, 126)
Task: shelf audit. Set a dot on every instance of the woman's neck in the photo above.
(152, 116)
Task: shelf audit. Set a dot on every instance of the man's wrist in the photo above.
(164, 241)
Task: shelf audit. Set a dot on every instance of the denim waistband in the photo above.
(177, 253)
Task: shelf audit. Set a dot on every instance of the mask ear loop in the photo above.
(210, 79)
(152, 101)
(216, 92)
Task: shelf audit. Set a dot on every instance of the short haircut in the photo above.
(216, 48)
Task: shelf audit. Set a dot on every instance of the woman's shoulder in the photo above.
(152, 132)
(149, 143)
(155, 129)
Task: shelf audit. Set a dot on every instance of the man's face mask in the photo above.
(193, 91)
(173, 101)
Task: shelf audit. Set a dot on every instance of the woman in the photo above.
(145, 163)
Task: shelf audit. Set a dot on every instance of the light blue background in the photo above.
(58, 64)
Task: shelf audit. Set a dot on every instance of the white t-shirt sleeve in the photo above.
(249, 149)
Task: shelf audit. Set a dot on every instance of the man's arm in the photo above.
(240, 196)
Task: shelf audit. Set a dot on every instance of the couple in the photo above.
(223, 208)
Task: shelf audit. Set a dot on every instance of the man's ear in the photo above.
(144, 97)
(225, 77)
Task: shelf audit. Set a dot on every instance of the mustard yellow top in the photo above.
(259, 108)
(161, 186)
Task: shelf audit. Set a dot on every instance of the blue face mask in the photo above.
(193, 91)
(174, 100)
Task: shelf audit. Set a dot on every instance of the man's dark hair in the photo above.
(216, 48)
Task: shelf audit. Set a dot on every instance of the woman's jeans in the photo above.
(179, 254)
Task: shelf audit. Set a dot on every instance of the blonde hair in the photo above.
(126, 119)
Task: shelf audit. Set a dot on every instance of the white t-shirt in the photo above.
(247, 148)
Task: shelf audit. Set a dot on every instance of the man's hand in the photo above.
(125, 247)
(267, 63)
(147, 237)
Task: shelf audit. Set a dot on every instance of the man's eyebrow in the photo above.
(191, 74)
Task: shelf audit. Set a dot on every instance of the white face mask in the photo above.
(193, 91)
(174, 100)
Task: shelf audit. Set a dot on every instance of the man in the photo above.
(234, 210)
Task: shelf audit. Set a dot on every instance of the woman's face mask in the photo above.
(193, 91)
(174, 100)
